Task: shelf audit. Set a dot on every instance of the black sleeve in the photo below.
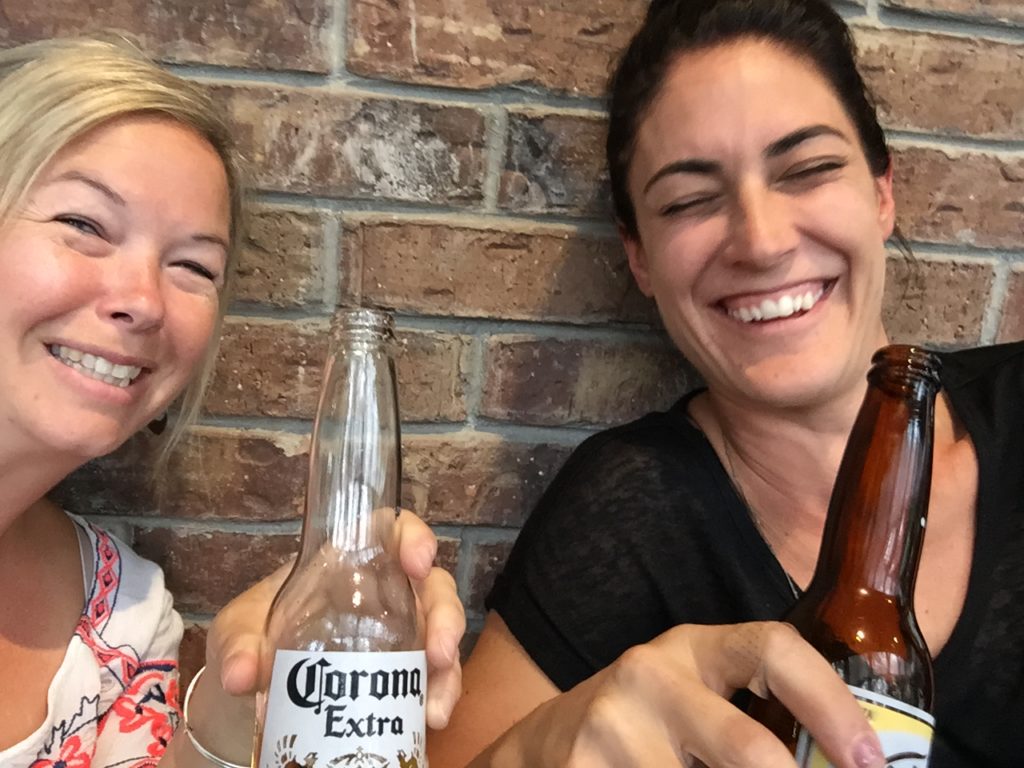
(577, 590)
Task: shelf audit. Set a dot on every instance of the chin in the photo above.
(796, 385)
(87, 444)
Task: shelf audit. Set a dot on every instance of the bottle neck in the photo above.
(354, 473)
(877, 514)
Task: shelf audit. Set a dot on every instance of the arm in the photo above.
(500, 686)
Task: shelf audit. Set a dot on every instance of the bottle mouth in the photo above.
(907, 364)
(364, 318)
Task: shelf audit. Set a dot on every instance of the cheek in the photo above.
(192, 333)
(682, 259)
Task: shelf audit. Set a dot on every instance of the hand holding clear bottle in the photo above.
(345, 673)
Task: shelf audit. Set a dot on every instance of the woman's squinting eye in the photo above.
(693, 206)
(81, 223)
(812, 171)
(198, 269)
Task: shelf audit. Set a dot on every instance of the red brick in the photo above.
(563, 46)
(268, 368)
(488, 560)
(998, 10)
(273, 368)
(555, 382)
(433, 371)
(536, 273)
(962, 197)
(281, 262)
(475, 478)
(293, 35)
(936, 302)
(193, 652)
(206, 569)
(1011, 327)
(447, 554)
(555, 164)
(943, 83)
(214, 474)
(326, 142)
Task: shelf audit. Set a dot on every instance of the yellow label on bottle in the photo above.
(905, 733)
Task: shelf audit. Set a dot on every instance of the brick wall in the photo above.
(448, 164)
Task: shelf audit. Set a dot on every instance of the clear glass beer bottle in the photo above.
(344, 674)
(858, 610)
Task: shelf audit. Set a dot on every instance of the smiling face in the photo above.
(761, 228)
(109, 285)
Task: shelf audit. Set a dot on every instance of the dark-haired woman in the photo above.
(753, 190)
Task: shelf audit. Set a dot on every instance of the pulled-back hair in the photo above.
(810, 29)
(55, 91)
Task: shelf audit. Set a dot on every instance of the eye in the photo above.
(812, 171)
(198, 269)
(80, 223)
(692, 206)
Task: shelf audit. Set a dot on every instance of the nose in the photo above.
(134, 296)
(763, 230)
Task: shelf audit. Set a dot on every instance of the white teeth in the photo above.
(96, 367)
(784, 306)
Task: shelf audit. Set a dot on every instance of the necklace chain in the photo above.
(754, 516)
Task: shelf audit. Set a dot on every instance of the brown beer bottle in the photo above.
(858, 610)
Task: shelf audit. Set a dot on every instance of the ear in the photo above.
(886, 203)
(637, 261)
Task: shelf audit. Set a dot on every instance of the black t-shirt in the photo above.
(642, 530)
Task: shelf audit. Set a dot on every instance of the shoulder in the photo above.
(651, 449)
(983, 364)
(128, 603)
(647, 481)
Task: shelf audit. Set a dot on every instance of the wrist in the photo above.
(217, 726)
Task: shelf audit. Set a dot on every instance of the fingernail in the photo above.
(426, 560)
(449, 647)
(226, 668)
(867, 752)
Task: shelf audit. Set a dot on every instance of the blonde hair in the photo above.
(54, 91)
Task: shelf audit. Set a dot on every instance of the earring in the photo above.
(157, 426)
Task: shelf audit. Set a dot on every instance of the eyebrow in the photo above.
(214, 239)
(120, 201)
(799, 136)
(775, 149)
(94, 183)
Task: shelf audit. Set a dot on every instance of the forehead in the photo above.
(737, 97)
(151, 160)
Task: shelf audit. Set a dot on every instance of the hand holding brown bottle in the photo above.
(665, 703)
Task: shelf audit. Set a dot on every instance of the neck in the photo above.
(784, 463)
(791, 450)
(26, 476)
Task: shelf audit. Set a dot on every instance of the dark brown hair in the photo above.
(810, 29)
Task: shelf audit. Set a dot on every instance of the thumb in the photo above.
(237, 663)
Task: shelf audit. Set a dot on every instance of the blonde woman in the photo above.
(120, 208)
